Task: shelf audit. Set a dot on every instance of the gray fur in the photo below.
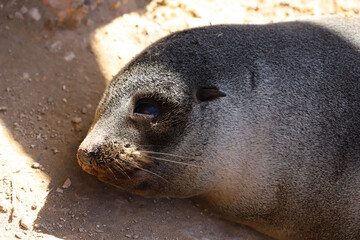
(280, 152)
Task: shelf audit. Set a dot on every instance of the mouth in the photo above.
(114, 170)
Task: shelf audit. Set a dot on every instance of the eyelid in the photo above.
(146, 116)
(146, 108)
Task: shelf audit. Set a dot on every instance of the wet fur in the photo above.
(280, 149)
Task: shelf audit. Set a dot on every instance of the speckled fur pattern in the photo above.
(279, 153)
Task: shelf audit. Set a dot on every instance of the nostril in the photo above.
(127, 145)
(85, 156)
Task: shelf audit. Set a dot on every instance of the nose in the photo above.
(85, 156)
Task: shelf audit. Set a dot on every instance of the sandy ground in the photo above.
(56, 58)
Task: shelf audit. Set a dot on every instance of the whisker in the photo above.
(144, 159)
(112, 172)
(120, 167)
(143, 169)
(168, 160)
(150, 145)
(172, 155)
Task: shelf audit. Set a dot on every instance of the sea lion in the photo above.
(259, 122)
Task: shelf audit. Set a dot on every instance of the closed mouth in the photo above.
(110, 172)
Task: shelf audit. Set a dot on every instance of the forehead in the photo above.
(146, 78)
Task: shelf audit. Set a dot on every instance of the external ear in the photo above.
(209, 94)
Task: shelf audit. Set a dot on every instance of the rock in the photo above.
(54, 150)
(3, 109)
(26, 76)
(59, 190)
(26, 223)
(35, 14)
(18, 235)
(55, 47)
(19, 15)
(36, 165)
(5, 206)
(67, 183)
(69, 56)
(76, 120)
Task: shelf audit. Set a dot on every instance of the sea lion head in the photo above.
(151, 128)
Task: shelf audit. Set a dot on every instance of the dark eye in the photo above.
(146, 109)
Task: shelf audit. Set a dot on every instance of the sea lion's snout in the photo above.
(112, 161)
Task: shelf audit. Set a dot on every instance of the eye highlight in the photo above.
(146, 109)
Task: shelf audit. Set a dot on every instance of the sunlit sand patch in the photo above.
(24, 188)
